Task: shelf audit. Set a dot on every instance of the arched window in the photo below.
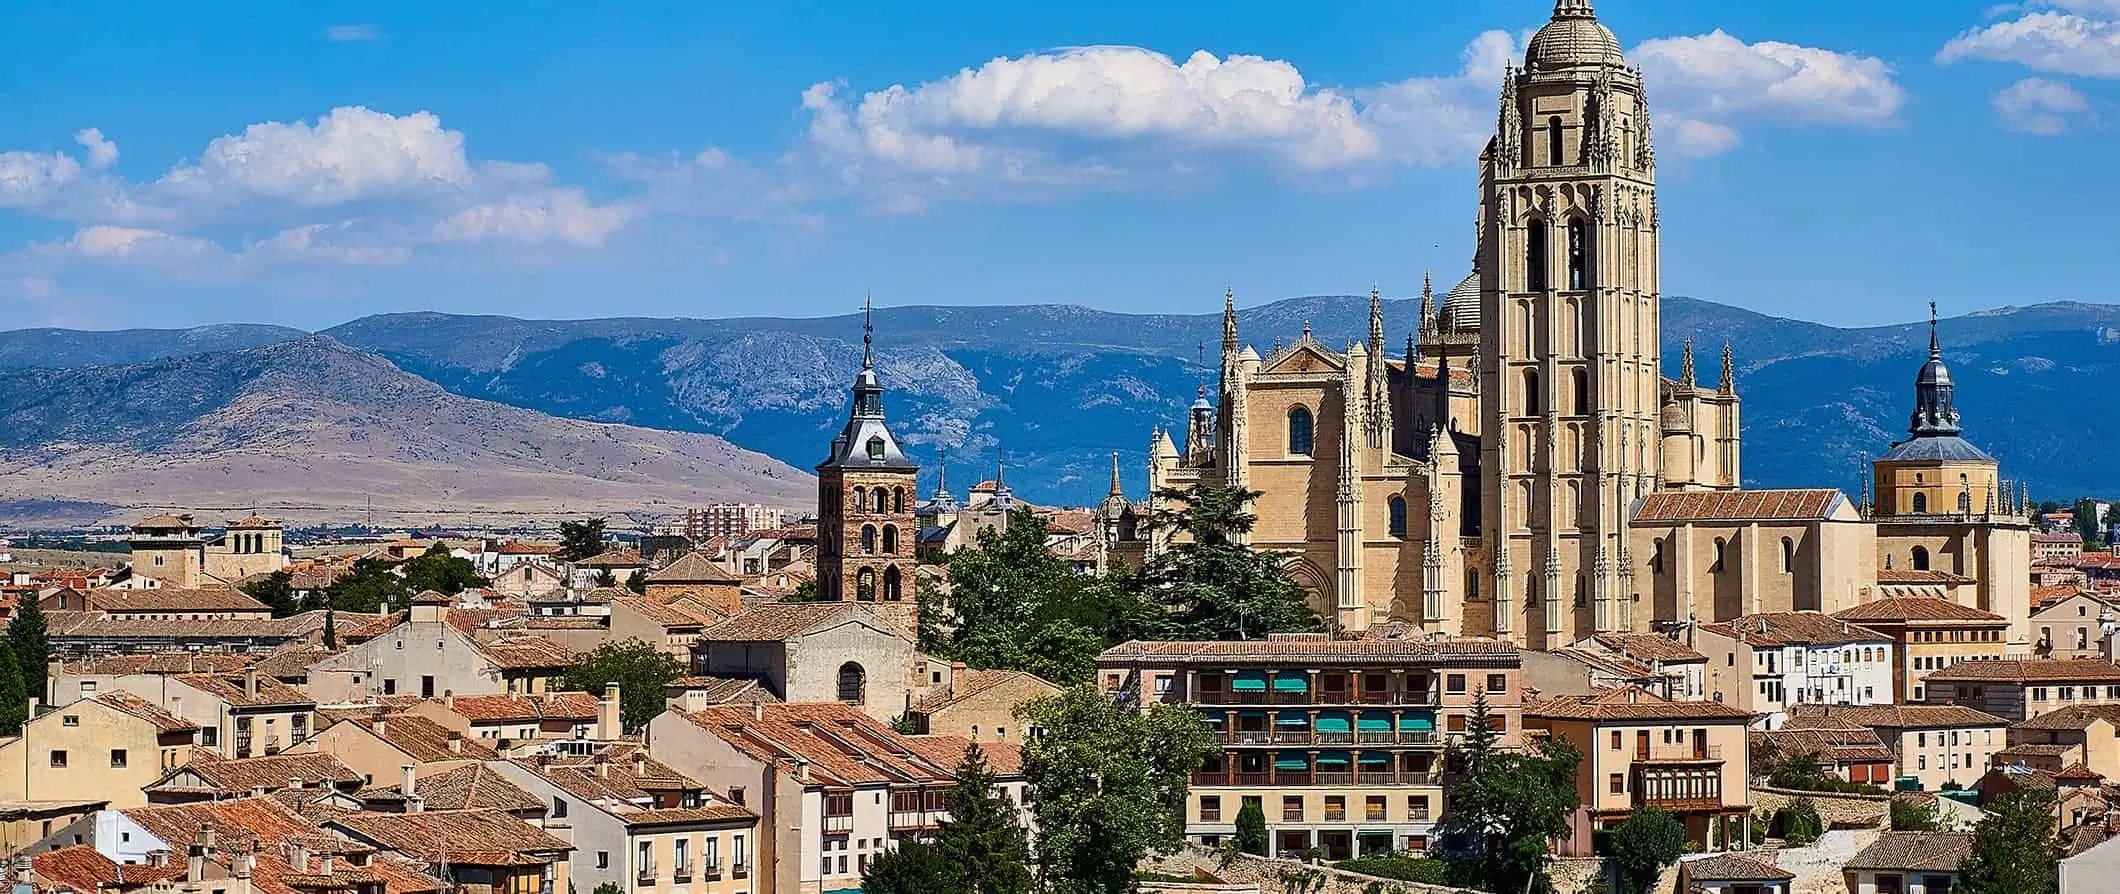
(1582, 393)
(1717, 565)
(890, 539)
(891, 590)
(1531, 395)
(853, 683)
(1965, 503)
(868, 538)
(860, 501)
(1921, 503)
(1921, 558)
(1299, 432)
(1656, 556)
(1553, 141)
(897, 499)
(1788, 555)
(1578, 255)
(1535, 257)
(865, 585)
(1398, 516)
(880, 499)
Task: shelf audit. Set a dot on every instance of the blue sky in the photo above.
(310, 163)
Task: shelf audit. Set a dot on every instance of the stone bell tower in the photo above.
(1568, 362)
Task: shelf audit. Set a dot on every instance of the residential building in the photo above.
(480, 851)
(105, 748)
(1339, 741)
(1766, 662)
(1908, 863)
(24, 823)
(730, 520)
(1733, 874)
(1929, 634)
(526, 580)
(2077, 734)
(166, 603)
(834, 786)
(429, 657)
(84, 633)
(508, 721)
(81, 868)
(866, 496)
(609, 568)
(239, 715)
(77, 678)
(640, 825)
(693, 575)
(2056, 544)
(821, 651)
(472, 786)
(1932, 746)
(1652, 661)
(2075, 625)
(135, 835)
(672, 625)
(376, 746)
(2019, 688)
(1691, 759)
(498, 557)
(207, 777)
(979, 705)
(1849, 751)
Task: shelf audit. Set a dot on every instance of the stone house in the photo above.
(105, 748)
(378, 745)
(820, 652)
(239, 715)
(979, 705)
(1908, 863)
(428, 656)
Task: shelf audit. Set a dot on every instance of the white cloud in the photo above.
(102, 153)
(1436, 121)
(1705, 86)
(33, 179)
(352, 33)
(560, 215)
(2040, 106)
(342, 242)
(2054, 42)
(131, 244)
(351, 153)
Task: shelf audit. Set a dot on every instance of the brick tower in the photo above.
(865, 497)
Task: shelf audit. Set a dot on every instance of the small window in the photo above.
(1300, 434)
(1454, 683)
(1497, 682)
(1617, 783)
(559, 807)
(72, 719)
(1921, 503)
(1788, 555)
(1715, 565)
(1921, 557)
(1398, 516)
(1553, 141)
(603, 859)
(876, 448)
(58, 758)
(117, 758)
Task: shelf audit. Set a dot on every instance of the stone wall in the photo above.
(1282, 876)
(1840, 811)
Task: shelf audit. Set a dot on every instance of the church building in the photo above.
(1524, 470)
(866, 498)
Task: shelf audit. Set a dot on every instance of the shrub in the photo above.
(1800, 823)
(1404, 866)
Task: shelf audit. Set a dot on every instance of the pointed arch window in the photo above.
(1532, 406)
(1535, 257)
(1397, 506)
(880, 500)
(1716, 566)
(1578, 255)
(892, 591)
(1582, 393)
(1656, 557)
(1300, 432)
(897, 499)
(865, 585)
(1553, 141)
(1920, 559)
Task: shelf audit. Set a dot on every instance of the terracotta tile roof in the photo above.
(2028, 670)
(1630, 703)
(1650, 647)
(1795, 629)
(2031, 750)
(465, 837)
(503, 708)
(624, 782)
(271, 873)
(1609, 663)
(2046, 597)
(1898, 716)
(667, 615)
(1733, 868)
(973, 684)
(1917, 851)
(292, 662)
(422, 740)
(2077, 772)
(1742, 505)
(519, 548)
(99, 625)
(1003, 758)
(237, 822)
(716, 690)
(233, 689)
(2072, 717)
(162, 663)
(469, 787)
(842, 745)
(781, 621)
(146, 710)
(389, 704)
(613, 558)
(1279, 649)
(1831, 744)
(270, 772)
(694, 568)
(1913, 576)
(2056, 537)
(83, 869)
(1915, 609)
(1071, 521)
(527, 652)
(175, 599)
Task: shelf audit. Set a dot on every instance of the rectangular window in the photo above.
(426, 686)
(1454, 683)
(603, 859)
(1291, 808)
(117, 758)
(644, 861)
(389, 685)
(1497, 682)
(58, 758)
(1373, 808)
(1210, 808)
(1335, 808)
(1618, 784)
(74, 719)
(1454, 723)
(681, 857)
(1416, 807)
(1162, 684)
(1615, 740)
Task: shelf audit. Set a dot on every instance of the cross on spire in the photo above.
(868, 330)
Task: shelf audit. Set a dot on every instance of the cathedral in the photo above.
(1524, 470)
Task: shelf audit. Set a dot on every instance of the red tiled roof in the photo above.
(1630, 703)
(780, 621)
(1921, 576)
(162, 663)
(146, 710)
(469, 787)
(1916, 608)
(614, 558)
(1282, 649)
(234, 689)
(270, 771)
(473, 837)
(972, 684)
(694, 568)
(1650, 647)
(2072, 717)
(1897, 716)
(1794, 628)
(422, 740)
(526, 653)
(2028, 670)
(236, 822)
(175, 599)
(83, 869)
(666, 614)
(552, 706)
(1914, 851)
(1741, 505)
(842, 745)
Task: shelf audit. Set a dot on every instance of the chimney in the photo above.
(298, 856)
(758, 712)
(157, 857)
(378, 722)
(449, 699)
(326, 865)
(607, 725)
(802, 770)
(407, 782)
(195, 864)
(246, 864)
(456, 742)
(640, 762)
(206, 836)
(250, 682)
(603, 766)
(294, 782)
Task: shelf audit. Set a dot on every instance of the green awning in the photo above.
(1292, 718)
(1375, 759)
(1335, 758)
(1249, 681)
(1290, 760)
(1332, 723)
(1214, 718)
(1423, 722)
(1373, 723)
(1287, 683)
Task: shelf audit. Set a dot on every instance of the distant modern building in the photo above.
(730, 520)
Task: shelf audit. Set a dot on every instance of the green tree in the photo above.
(1251, 828)
(1111, 783)
(14, 697)
(1643, 845)
(276, 590)
(1911, 816)
(31, 642)
(638, 580)
(1505, 806)
(2086, 511)
(579, 540)
(2014, 847)
(369, 586)
(984, 835)
(913, 867)
(604, 578)
(1800, 822)
(641, 671)
(607, 888)
(1212, 585)
(438, 570)
(1013, 605)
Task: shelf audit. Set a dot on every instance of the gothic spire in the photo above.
(1116, 491)
(1376, 323)
(1229, 322)
(1685, 365)
(1729, 373)
(1427, 319)
(1935, 348)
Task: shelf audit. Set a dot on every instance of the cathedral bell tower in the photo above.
(866, 500)
(1568, 361)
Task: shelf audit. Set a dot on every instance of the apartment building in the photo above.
(730, 520)
(239, 715)
(1931, 745)
(1766, 662)
(2017, 689)
(1338, 741)
(105, 748)
(638, 824)
(1642, 751)
(2076, 625)
(1929, 634)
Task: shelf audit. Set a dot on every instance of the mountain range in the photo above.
(1052, 389)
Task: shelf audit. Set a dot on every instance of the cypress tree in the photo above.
(14, 699)
(1251, 829)
(984, 835)
(32, 646)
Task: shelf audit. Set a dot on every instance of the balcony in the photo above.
(838, 823)
(681, 874)
(1251, 778)
(1334, 777)
(1210, 777)
(1292, 736)
(646, 877)
(1685, 753)
(910, 820)
(711, 873)
(1414, 697)
(739, 869)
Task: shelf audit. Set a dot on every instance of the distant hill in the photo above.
(66, 348)
(1060, 387)
(313, 429)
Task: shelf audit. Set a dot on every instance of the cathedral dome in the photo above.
(1675, 419)
(1574, 37)
(1461, 308)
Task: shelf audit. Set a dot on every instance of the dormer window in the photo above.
(876, 448)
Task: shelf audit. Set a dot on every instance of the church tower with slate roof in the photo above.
(866, 499)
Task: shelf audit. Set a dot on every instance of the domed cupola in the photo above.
(1934, 412)
(1461, 308)
(1574, 38)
